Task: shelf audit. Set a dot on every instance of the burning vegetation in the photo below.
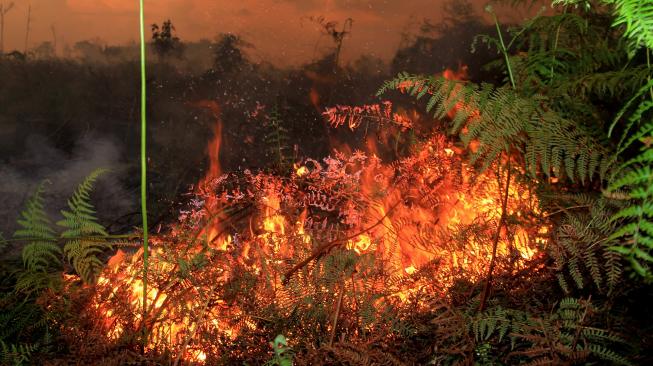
(449, 222)
(339, 247)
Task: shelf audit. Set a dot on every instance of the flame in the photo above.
(461, 74)
(214, 171)
(213, 148)
(361, 244)
(408, 215)
(273, 222)
(314, 96)
(301, 171)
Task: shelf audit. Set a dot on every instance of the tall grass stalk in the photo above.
(144, 167)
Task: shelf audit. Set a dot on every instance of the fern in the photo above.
(42, 251)
(633, 223)
(500, 119)
(582, 249)
(636, 231)
(556, 134)
(497, 322)
(609, 83)
(637, 17)
(635, 177)
(510, 336)
(11, 354)
(41, 255)
(277, 139)
(85, 237)
(563, 337)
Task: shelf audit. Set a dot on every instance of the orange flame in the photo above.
(409, 214)
(215, 170)
(213, 148)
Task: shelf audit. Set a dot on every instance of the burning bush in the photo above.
(333, 251)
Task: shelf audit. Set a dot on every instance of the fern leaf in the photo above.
(41, 252)
(17, 355)
(499, 118)
(85, 237)
(606, 354)
(637, 17)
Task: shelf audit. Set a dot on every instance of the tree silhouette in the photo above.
(329, 28)
(4, 9)
(229, 56)
(165, 42)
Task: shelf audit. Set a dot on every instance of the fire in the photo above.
(301, 171)
(360, 245)
(460, 74)
(408, 227)
(314, 96)
(214, 171)
(213, 148)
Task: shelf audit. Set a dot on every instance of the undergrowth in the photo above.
(353, 260)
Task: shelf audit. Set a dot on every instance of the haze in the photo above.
(278, 29)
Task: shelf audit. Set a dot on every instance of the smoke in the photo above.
(40, 161)
(275, 27)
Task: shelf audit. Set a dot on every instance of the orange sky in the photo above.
(277, 28)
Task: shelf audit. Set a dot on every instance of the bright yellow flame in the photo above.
(361, 245)
(301, 171)
(410, 269)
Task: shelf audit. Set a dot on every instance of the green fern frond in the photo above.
(601, 335)
(32, 282)
(583, 247)
(277, 139)
(85, 237)
(609, 355)
(607, 84)
(17, 355)
(500, 118)
(637, 17)
(635, 176)
(41, 253)
(496, 321)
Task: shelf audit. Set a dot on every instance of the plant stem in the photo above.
(337, 314)
(504, 50)
(329, 245)
(495, 243)
(555, 49)
(580, 324)
(502, 220)
(648, 66)
(144, 168)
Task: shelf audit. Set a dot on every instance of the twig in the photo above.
(488, 284)
(337, 314)
(548, 341)
(580, 325)
(191, 333)
(564, 209)
(327, 246)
